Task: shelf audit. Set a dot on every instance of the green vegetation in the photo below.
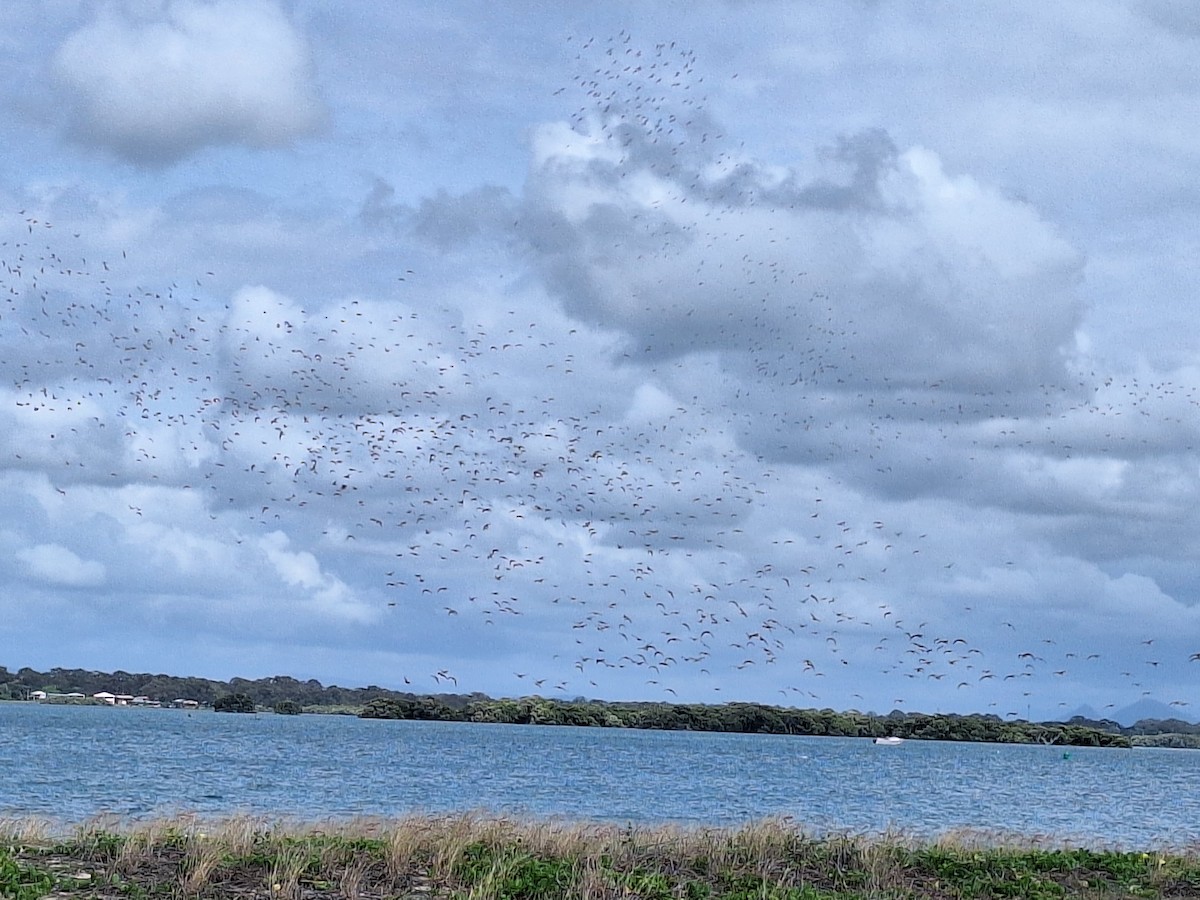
(288, 708)
(376, 702)
(1170, 739)
(746, 718)
(22, 882)
(265, 692)
(237, 703)
(475, 857)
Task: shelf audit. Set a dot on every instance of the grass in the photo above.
(473, 857)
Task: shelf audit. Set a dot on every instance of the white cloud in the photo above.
(932, 277)
(670, 371)
(325, 595)
(154, 91)
(54, 564)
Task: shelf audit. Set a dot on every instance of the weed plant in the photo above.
(473, 857)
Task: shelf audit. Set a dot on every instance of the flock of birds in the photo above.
(601, 549)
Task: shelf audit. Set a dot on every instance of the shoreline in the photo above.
(479, 855)
(726, 718)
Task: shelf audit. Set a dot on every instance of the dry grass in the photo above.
(25, 829)
(196, 871)
(480, 856)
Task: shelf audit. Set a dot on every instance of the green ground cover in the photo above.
(470, 856)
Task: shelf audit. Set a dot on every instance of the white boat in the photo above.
(889, 741)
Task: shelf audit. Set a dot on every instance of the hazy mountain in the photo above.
(1149, 709)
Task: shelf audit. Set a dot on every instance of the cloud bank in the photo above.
(154, 90)
(762, 371)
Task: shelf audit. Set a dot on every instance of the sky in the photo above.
(825, 355)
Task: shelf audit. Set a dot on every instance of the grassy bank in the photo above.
(479, 857)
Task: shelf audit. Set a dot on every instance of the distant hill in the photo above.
(166, 688)
(1087, 712)
(1147, 717)
(1142, 712)
(1149, 709)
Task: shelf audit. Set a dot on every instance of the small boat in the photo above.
(889, 741)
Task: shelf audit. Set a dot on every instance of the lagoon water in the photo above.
(71, 763)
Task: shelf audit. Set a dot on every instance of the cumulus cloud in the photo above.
(54, 564)
(700, 390)
(325, 595)
(155, 90)
(935, 276)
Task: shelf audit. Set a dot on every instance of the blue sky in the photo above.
(836, 354)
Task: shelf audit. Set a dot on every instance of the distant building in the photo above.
(55, 696)
(110, 698)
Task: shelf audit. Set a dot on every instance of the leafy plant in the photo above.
(238, 703)
(18, 882)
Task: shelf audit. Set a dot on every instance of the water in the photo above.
(70, 763)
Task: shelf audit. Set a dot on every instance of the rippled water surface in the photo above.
(69, 763)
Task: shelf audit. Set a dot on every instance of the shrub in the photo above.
(239, 703)
(19, 882)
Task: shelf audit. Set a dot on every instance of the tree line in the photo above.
(284, 692)
(745, 718)
(265, 692)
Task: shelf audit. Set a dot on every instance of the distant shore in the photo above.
(726, 718)
(289, 695)
(749, 718)
(481, 856)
